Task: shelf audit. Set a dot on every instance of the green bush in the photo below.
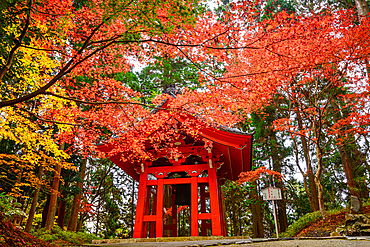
(366, 202)
(49, 237)
(300, 224)
(78, 238)
(305, 221)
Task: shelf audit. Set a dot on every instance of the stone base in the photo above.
(355, 225)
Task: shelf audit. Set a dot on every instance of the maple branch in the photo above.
(87, 57)
(292, 133)
(87, 41)
(256, 73)
(67, 69)
(42, 49)
(93, 42)
(248, 46)
(64, 70)
(100, 102)
(297, 158)
(45, 13)
(133, 125)
(175, 45)
(216, 36)
(42, 119)
(274, 52)
(196, 65)
(7, 180)
(111, 102)
(201, 45)
(39, 91)
(60, 74)
(17, 44)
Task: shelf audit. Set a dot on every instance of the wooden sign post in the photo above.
(273, 194)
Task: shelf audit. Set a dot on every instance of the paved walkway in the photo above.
(350, 242)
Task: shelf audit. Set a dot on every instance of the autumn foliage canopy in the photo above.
(61, 58)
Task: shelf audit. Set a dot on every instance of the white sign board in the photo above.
(271, 193)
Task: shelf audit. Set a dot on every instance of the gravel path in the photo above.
(241, 242)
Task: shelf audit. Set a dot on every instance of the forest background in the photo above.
(295, 72)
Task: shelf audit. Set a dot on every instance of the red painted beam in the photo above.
(147, 218)
(204, 216)
(177, 181)
(168, 169)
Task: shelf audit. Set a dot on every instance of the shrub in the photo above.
(300, 224)
(78, 238)
(305, 221)
(13, 236)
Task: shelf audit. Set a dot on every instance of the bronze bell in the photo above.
(183, 194)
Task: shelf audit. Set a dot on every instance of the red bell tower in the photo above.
(219, 154)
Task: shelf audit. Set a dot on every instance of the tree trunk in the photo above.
(256, 209)
(54, 195)
(281, 204)
(304, 174)
(97, 219)
(62, 208)
(347, 167)
(80, 222)
(320, 196)
(62, 213)
(311, 178)
(45, 211)
(360, 169)
(72, 223)
(349, 175)
(34, 201)
(281, 210)
(320, 191)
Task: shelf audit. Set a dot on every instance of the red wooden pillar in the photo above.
(159, 215)
(214, 199)
(222, 212)
(174, 216)
(146, 210)
(154, 212)
(203, 227)
(194, 204)
(138, 230)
